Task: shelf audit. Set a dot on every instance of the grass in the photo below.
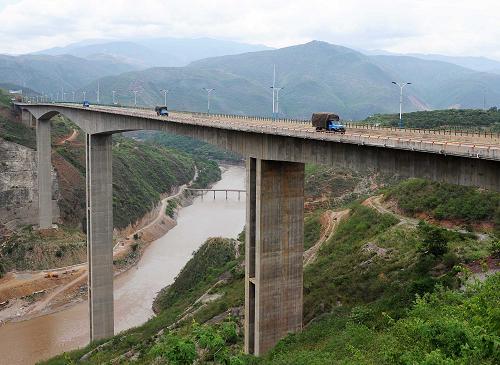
(17, 133)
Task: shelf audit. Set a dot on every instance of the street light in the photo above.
(113, 96)
(84, 94)
(165, 93)
(135, 96)
(209, 91)
(401, 86)
(276, 95)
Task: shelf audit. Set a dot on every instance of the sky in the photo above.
(451, 27)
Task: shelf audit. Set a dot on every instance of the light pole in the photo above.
(401, 86)
(84, 95)
(276, 92)
(209, 91)
(165, 95)
(73, 96)
(113, 96)
(98, 92)
(135, 97)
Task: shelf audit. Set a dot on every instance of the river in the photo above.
(26, 342)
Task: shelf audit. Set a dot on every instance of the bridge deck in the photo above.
(484, 147)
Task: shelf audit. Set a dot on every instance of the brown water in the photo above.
(29, 341)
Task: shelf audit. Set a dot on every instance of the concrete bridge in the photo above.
(275, 154)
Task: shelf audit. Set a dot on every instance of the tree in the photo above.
(433, 239)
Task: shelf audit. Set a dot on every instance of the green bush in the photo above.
(175, 349)
(495, 249)
(433, 239)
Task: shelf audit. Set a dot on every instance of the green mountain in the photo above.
(316, 76)
(49, 74)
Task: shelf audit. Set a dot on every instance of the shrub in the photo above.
(495, 249)
(433, 239)
(176, 350)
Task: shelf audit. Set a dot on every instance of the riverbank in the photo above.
(29, 341)
(29, 294)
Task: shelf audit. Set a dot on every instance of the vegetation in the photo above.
(5, 100)
(28, 249)
(446, 201)
(170, 209)
(211, 260)
(141, 172)
(443, 327)
(474, 119)
(189, 145)
(17, 133)
(208, 173)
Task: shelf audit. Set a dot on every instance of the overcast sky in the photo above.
(452, 27)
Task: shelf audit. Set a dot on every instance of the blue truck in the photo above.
(327, 122)
(161, 111)
(86, 104)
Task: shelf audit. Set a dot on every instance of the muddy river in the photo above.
(26, 342)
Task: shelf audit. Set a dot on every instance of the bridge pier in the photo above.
(274, 252)
(100, 235)
(44, 165)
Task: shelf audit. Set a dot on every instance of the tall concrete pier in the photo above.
(274, 252)
(43, 149)
(100, 234)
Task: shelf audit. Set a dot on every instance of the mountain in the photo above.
(482, 64)
(315, 76)
(441, 84)
(50, 74)
(154, 52)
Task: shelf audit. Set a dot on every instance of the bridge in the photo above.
(202, 191)
(275, 154)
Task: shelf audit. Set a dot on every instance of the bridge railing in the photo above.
(348, 124)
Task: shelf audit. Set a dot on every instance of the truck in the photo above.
(327, 122)
(161, 110)
(86, 104)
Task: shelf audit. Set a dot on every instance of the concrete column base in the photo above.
(100, 235)
(44, 166)
(274, 252)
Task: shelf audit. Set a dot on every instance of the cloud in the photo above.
(458, 27)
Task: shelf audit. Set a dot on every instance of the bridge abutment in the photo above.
(274, 252)
(100, 235)
(43, 151)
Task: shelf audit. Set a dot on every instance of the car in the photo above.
(86, 104)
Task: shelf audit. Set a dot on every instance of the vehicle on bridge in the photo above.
(86, 104)
(161, 110)
(327, 122)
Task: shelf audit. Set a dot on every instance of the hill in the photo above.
(473, 119)
(315, 76)
(50, 74)
(154, 52)
(384, 289)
